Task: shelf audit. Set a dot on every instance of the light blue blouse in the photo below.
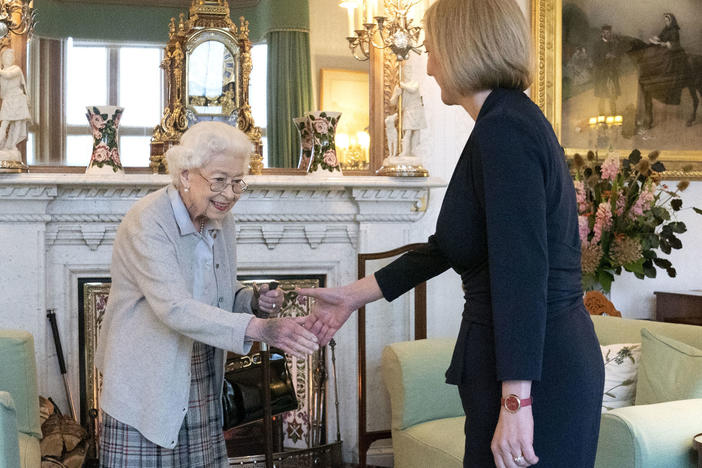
(205, 287)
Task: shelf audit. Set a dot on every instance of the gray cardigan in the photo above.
(151, 321)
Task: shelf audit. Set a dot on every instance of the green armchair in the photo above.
(20, 429)
(428, 418)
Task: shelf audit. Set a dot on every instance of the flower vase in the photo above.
(104, 124)
(306, 141)
(323, 159)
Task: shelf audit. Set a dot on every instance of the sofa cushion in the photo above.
(30, 451)
(18, 376)
(669, 370)
(439, 443)
(612, 330)
(9, 445)
(413, 372)
(621, 366)
(649, 436)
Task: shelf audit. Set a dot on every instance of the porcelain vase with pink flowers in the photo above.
(104, 124)
(322, 127)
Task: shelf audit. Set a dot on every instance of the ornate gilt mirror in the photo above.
(207, 63)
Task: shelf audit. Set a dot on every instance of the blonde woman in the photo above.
(176, 307)
(527, 362)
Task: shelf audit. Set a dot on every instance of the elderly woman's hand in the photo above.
(269, 301)
(287, 333)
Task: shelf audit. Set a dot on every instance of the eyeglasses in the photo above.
(220, 184)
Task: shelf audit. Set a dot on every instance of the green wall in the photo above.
(128, 23)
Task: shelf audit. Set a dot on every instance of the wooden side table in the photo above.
(679, 307)
(697, 443)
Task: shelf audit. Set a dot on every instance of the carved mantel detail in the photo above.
(79, 210)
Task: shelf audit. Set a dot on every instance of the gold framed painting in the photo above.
(609, 76)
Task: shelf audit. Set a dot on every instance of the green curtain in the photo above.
(95, 20)
(289, 93)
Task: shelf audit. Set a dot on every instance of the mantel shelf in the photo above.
(283, 181)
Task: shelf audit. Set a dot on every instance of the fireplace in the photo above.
(58, 230)
(303, 428)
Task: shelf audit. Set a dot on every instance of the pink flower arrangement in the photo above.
(625, 218)
(610, 168)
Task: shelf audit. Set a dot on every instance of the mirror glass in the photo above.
(211, 83)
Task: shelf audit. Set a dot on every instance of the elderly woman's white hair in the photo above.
(204, 140)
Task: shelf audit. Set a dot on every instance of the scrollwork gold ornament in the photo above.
(208, 20)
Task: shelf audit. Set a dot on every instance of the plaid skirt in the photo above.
(200, 440)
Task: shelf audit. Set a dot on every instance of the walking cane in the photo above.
(332, 345)
(267, 411)
(62, 363)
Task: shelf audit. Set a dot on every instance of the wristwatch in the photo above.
(512, 403)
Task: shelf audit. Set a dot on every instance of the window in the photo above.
(98, 74)
(126, 76)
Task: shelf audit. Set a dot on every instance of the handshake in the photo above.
(300, 336)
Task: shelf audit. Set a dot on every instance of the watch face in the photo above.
(512, 403)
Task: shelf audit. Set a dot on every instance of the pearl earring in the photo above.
(186, 189)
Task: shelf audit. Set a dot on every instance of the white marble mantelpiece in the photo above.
(57, 228)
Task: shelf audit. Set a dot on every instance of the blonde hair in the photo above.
(480, 44)
(204, 140)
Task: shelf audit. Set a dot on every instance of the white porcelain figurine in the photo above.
(14, 112)
(413, 119)
(391, 134)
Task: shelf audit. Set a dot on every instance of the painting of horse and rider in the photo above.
(640, 64)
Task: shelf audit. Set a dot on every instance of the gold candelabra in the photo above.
(396, 32)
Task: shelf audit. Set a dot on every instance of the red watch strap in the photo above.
(525, 401)
(513, 403)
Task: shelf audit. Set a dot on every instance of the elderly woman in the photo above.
(527, 362)
(176, 307)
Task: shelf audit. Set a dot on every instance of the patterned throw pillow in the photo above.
(621, 366)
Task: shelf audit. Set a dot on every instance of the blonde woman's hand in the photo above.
(333, 306)
(513, 442)
(330, 311)
(286, 333)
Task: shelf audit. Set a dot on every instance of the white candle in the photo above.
(369, 11)
(351, 28)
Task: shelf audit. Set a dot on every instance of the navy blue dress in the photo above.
(508, 225)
